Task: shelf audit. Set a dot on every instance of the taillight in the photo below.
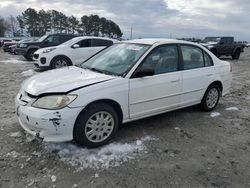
(231, 67)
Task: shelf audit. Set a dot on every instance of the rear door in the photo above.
(160, 92)
(198, 72)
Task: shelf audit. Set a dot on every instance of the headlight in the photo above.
(53, 102)
(48, 50)
(23, 45)
(210, 46)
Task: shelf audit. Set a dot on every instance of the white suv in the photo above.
(72, 52)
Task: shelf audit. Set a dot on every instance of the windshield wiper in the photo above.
(98, 70)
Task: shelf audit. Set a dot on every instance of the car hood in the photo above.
(62, 80)
(209, 43)
(47, 48)
(30, 43)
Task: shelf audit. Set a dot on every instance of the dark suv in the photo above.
(27, 49)
(223, 46)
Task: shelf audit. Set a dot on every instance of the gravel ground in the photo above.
(184, 148)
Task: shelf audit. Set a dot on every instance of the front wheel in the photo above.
(96, 125)
(211, 98)
(59, 62)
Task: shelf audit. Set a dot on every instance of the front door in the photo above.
(160, 92)
(82, 53)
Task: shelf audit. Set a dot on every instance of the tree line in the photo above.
(37, 23)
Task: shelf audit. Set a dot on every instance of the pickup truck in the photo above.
(27, 49)
(223, 46)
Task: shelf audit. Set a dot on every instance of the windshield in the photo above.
(211, 39)
(70, 42)
(42, 38)
(117, 59)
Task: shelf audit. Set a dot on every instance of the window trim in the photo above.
(84, 40)
(141, 63)
(202, 50)
(102, 40)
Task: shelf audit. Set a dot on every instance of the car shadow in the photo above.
(151, 126)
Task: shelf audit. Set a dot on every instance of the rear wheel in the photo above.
(236, 54)
(96, 125)
(60, 62)
(211, 98)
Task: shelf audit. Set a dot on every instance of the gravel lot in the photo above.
(184, 148)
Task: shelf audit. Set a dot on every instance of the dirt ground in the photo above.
(191, 148)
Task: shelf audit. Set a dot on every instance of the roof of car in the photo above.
(152, 41)
(93, 37)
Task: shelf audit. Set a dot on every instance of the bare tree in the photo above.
(3, 26)
(13, 25)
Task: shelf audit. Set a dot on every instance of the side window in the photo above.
(163, 59)
(192, 57)
(65, 38)
(230, 40)
(207, 60)
(54, 39)
(85, 43)
(101, 42)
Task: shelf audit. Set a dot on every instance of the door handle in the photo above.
(174, 81)
(209, 74)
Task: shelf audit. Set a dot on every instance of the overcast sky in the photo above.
(154, 18)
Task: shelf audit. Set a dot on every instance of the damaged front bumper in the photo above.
(48, 125)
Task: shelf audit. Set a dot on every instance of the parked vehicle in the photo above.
(12, 49)
(223, 46)
(27, 49)
(72, 52)
(6, 45)
(245, 44)
(127, 81)
(4, 40)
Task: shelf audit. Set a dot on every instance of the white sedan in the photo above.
(125, 82)
(72, 52)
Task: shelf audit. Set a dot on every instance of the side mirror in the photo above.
(76, 46)
(46, 42)
(221, 43)
(144, 72)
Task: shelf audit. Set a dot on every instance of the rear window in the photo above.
(194, 57)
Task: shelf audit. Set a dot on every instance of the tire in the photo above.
(90, 126)
(60, 62)
(236, 54)
(25, 56)
(211, 98)
(30, 54)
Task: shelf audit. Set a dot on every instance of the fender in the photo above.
(61, 55)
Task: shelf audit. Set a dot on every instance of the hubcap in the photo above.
(60, 63)
(212, 97)
(99, 127)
